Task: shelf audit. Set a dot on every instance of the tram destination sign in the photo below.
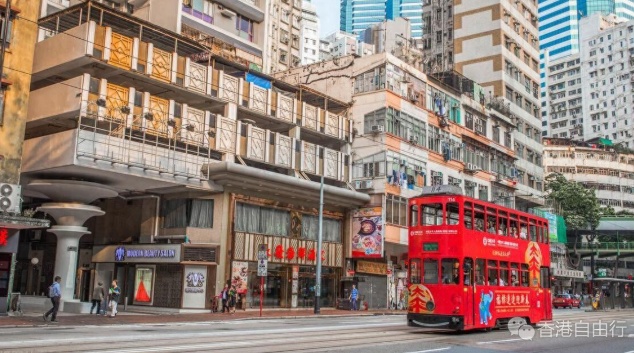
(430, 246)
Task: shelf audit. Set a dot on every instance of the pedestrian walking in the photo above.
(354, 295)
(232, 299)
(97, 297)
(114, 294)
(55, 293)
(224, 295)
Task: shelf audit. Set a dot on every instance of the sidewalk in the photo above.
(129, 317)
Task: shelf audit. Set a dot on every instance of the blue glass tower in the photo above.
(357, 15)
(559, 22)
(621, 8)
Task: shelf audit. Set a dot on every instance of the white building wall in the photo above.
(309, 46)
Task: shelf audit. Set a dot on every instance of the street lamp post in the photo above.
(319, 240)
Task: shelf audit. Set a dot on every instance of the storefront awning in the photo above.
(20, 222)
(242, 179)
(605, 142)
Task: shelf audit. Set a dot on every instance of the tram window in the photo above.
(467, 271)
(532, 230)
(413, 216)
(430, 268)
(546, 234)
(479, 218)
(524, 275)
(453, 213)
(468, 215)
(503, 223)
(514, 275)
(523, 228)
(414, 271)
(450, 271)
(544, 277)
(513, 226)
(491, 221)
(492, 273)
(432, 214)
(479, 272)
(539, 232)
(504, 273)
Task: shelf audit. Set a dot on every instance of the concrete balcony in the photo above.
(250, 8)
(102, 52)
(157, 137)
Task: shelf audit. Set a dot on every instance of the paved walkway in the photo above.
(131, 317)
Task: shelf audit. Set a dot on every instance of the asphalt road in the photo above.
(582, 332)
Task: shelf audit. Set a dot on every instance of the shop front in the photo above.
(290, 281)
(180, 276)
(372, 283)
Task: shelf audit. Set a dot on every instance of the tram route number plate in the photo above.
(262, 260)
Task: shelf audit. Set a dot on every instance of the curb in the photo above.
(254, 318)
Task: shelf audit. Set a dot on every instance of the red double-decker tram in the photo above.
(474, 264)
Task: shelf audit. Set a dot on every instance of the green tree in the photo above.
(577, 205)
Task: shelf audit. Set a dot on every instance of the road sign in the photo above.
(262, 260)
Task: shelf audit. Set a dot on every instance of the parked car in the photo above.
(566, 301)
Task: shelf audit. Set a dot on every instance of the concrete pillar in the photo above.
(66, 257)
(70, 211)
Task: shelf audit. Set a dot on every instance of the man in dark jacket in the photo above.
(97, 297)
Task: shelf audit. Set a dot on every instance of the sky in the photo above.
(328, 12)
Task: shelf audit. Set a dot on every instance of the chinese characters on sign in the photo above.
(262, 260)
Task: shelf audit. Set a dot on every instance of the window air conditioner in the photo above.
(378, 128)
(10, 198)
(227, 13)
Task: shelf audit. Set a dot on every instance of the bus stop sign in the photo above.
(262, 260)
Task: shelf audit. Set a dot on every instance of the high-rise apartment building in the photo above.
(309, 46)
(563, 99)
(606, 66)
(357, 15)
(437, 39)
(495, 43)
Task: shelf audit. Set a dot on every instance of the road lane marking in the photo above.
(501, 341)
(231, 344)
(437, 350)
(98, 339)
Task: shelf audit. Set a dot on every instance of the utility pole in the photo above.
(319, 239)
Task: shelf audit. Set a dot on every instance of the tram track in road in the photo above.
(216, 339)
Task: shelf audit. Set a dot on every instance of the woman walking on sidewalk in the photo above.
(232, 299)
(114, 293)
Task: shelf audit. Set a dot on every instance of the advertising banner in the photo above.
(240, 275)
(368, 233)
(143, 285)
(195, 287)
